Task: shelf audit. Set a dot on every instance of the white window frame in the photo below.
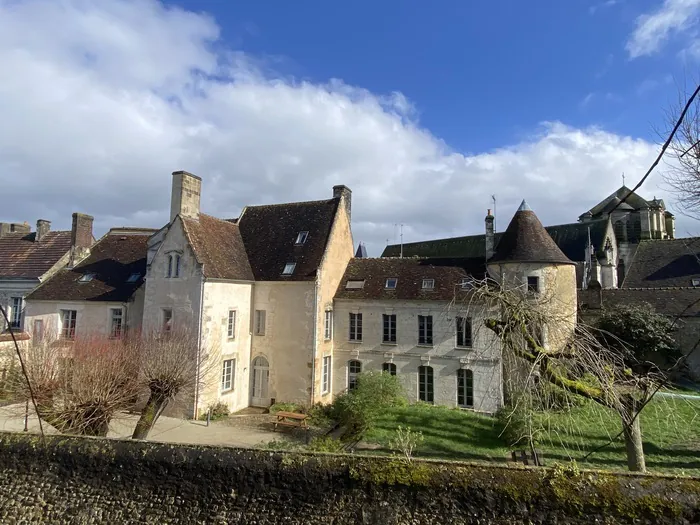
(392, 320)
(72, 318)
(428, 284)
(302, 236)
(228, 375)
(352, 376)
(326, 375)
(133, 277)
(86, 277)
(467, 323)
(467, 390)
(231, 325)
(428, 338)
(355, 327)
(260, 322)
(426, 384)
(112, 319)
(289, 268)
(16, 311)
(355, 284)
(390, 283)
(328, 326)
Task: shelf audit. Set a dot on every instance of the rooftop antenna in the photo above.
(493, 198)
(401, 254)
(623, 178)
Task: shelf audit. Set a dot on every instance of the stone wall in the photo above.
(85, 481)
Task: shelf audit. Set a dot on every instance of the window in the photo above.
(466, 283)
(169, 272)
(260, 322)
(389, 328)
(231, 325)
(391, 283)
(68, 321)
(86, 277)
(355, 284)
(38, 330)
(328, 325)
(355, 327)
(289, 268)
(425, 383)
(425, 329)
(533, 284)
(133, 278)
(227, 375)
(15, 312)
(116, 322)
(301, 238)
(326, 377)
(354, 369)
(464, 331)
(167, 320)
(177, 265)
(428, 284)
(465, 388)
(389, 368)
(695, 282)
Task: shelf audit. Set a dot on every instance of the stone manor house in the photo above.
(287, 313)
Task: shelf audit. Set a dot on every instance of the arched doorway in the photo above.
(260, 383)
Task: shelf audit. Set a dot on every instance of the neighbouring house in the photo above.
(257, 291)
(101, 296)
(28, 259)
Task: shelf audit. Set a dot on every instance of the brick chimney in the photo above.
(184, 199)
(490, 238)
(343, 192)
(42, 228)
(80, 237)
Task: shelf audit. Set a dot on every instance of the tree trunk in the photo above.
(149, 415)
(633, 443)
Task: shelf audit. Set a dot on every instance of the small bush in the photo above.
(517, 429)
(218, 411)
(406, 441)
(287, 407)
(321, 415)
(281, 444)
(325, 444)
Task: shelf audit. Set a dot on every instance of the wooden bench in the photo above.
(297, 420)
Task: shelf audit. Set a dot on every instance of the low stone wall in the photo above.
(83, 481)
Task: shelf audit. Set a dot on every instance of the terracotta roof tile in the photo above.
(21, 257)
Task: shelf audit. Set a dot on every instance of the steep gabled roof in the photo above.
(218, 247)
(664, 263)
(21, 257)
(526, 240)
(269, 234)
(605, 206)
(112, 261)
(409, 273)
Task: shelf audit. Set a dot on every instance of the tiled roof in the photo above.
(604, 206)
(572, 239)
(409, 272)
(269, 234)
(526, 240)
(683, 302)
(21, 257)
(664, 263)
(112, 260)
(218, 246)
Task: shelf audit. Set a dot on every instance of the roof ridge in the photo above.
(296, 203)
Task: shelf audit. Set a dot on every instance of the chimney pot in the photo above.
(185, 195)
(490, 238)
(42, 228)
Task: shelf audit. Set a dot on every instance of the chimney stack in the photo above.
(342, 191)
(42, 228)
(14, 227)
(489, 234)
(185, 196)
(81, 238)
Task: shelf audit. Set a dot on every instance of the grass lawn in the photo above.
(671, 430)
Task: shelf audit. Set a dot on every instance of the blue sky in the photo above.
(424, 109)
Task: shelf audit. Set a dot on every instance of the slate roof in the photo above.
(606, 205)
(572, 239)
(684, 302)
(112, 260)
(664, 263)
(22, 258)
(409, 273)
(269, 233)
(218, 247)
(526, 240)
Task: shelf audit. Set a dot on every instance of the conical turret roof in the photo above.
(526, 240)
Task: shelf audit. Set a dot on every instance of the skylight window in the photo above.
(289, 268)
(301, 238)
(428, 284)
(133, 278)
(355, 284)
(695, 281)
(391, 283)
(86, 277)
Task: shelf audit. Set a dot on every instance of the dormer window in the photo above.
(355, 284)
(391, 283)
(695, 281)
(428, 284)
(289, 268)
(133, 278)
(86, 277)
(301, 238)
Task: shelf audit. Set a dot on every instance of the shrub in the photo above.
(406, 441)
(325, 444)
(321, 415)
(287, 407)
(516, 424)
(218, 411)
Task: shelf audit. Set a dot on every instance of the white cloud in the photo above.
(652, 30)
(101, 100)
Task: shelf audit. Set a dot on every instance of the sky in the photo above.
(424, 109)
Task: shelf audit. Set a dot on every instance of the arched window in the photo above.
(390, 368)
(465, 388)
(425, 384)
(354, 369)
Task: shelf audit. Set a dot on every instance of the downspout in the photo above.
(199, 345)
(315, 342)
